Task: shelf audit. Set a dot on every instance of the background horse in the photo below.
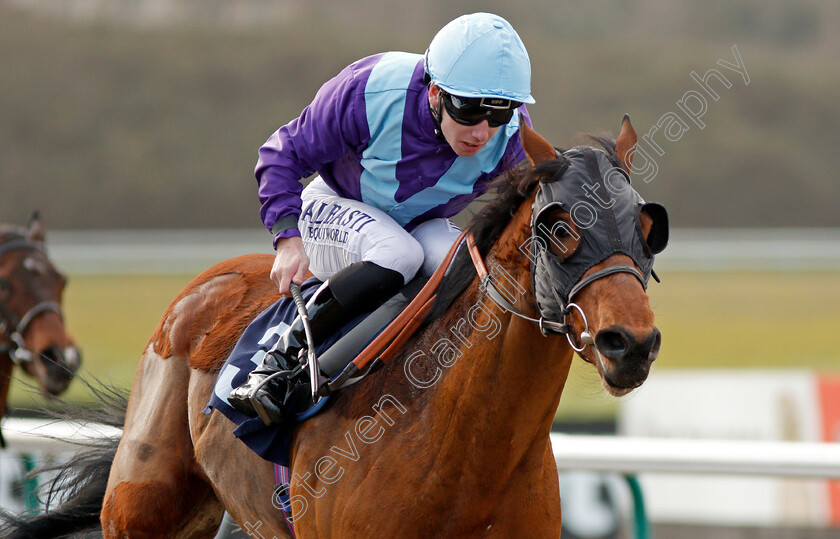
(451, 438)
(32, 332)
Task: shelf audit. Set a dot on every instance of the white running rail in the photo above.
(612, 454)
(755, 458)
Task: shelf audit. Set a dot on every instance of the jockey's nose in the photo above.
(481, 131)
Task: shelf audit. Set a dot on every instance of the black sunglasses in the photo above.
(474, 110)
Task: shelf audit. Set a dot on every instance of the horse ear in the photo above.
(536, 147)
(37, 231)
(625, 144)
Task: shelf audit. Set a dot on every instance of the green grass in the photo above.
(708, 320)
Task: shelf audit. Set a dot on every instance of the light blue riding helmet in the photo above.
(480, 55)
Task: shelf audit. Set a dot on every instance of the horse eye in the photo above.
(560, 233)
(561, 238)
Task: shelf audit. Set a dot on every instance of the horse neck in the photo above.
(505, 387)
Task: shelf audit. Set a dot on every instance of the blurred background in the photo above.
(133, 126)
(148, 114)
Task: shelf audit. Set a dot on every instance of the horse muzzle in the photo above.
(61, 365)
(626, 358)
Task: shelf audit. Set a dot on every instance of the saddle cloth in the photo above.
(272, 442)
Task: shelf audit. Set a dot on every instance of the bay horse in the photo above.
(450, 438)
(32, 332)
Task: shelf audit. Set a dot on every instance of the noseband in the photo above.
(14, 328)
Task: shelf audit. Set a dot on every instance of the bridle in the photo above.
(14, 328)
(547, 326)
(556, 281)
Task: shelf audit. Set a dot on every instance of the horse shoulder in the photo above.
(205, 320)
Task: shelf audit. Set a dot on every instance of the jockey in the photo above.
(400, 142)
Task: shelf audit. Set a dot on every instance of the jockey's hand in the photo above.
(290, 264)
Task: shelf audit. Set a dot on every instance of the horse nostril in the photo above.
(614, 343)
(652, 344)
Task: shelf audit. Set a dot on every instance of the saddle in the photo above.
(334, 360)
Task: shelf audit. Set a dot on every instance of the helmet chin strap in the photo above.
(437, 116)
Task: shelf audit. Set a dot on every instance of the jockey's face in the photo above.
(465, 140)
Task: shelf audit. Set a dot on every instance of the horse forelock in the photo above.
(607, 143)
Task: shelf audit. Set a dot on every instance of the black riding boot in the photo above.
(359, 288)
(288, 392)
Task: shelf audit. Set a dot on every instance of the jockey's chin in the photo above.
(466, 140)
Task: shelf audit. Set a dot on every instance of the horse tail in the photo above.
(73, 498)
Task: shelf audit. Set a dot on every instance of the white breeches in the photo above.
(338, 231)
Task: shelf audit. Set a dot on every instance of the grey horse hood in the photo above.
(606, 211)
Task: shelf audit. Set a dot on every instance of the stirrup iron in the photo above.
(311, 359)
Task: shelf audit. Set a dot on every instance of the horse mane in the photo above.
(512, 189)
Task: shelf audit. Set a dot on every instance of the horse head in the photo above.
(591, 248)
(32, 332)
